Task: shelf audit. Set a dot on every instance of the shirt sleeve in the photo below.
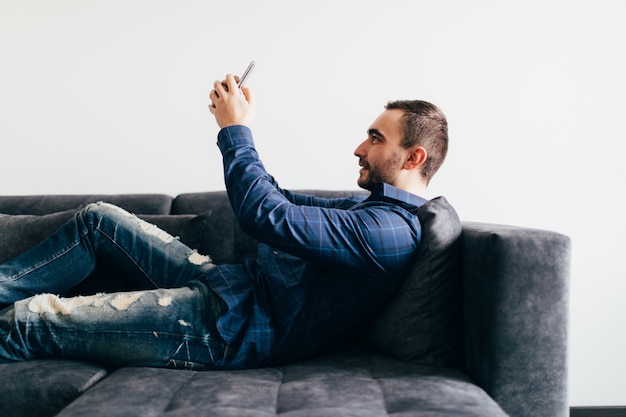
(378, 238)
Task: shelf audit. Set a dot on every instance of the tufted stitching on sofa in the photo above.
(383, 396)
(278, 391)
(237, 393)
(175, 393)
(336, 385)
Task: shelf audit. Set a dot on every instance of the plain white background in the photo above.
(110, 97)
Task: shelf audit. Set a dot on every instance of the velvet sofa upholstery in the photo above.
(511, 323)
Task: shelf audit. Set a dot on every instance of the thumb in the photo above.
(248, 94)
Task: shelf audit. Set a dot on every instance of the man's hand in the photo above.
(231, 105)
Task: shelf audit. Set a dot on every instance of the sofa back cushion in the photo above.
(223, 240)
(423, 322)
(47, 204)
(19, 233)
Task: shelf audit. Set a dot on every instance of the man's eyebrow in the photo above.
(375, 132)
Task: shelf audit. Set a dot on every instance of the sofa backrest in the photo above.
(47, 204)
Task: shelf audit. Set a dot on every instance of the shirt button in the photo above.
(275, 252)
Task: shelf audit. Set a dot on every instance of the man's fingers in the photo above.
(213, 96)
(219, 88)
(231, 82)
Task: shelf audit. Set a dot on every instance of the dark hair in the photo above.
(425, 125)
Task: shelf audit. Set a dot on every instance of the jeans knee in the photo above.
(95, 213)
(101, 208)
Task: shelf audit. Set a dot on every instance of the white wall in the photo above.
(109, 96)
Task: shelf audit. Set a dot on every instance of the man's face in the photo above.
(381, 156)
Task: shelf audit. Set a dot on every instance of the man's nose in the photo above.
(360, 150)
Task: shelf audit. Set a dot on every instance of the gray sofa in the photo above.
(497, 347)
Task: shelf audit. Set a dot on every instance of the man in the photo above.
(324, 265)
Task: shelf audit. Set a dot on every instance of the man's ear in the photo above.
(417, 156)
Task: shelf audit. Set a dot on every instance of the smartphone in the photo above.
(246, 73)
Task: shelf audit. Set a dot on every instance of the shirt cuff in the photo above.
(233, 137)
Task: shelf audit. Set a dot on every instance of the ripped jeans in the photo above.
(171, 325)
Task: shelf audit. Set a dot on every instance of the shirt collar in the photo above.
(388, 192)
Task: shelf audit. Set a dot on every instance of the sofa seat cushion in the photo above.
(44, 387)
(346, 383)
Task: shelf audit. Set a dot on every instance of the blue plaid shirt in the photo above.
(325, 265)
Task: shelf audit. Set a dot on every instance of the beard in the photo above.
(378, 174)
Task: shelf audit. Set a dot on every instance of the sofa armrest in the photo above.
(515, 316)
